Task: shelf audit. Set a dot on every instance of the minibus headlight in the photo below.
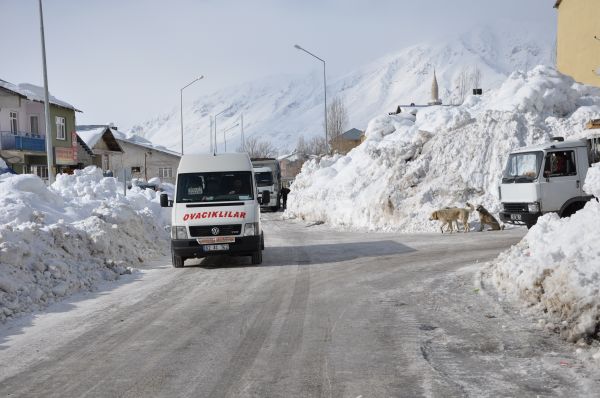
(251, 229)
(179, 233)
(533, 207)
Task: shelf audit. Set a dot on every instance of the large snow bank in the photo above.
(445, 156)
(556, 268)
(65, 238)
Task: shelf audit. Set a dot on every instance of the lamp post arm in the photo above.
(308, 52)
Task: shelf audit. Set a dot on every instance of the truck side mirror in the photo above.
(164, 200)
(266, 197)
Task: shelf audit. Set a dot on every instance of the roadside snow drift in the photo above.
(409, 165)
(58, 240)
(556, 268)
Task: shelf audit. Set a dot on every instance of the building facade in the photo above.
(127, 157)
(145, 162)
(578, 40)
(23, 130)
(347, 141)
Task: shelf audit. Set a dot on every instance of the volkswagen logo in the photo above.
(214, 231)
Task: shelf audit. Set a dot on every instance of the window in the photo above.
(40, 171)
(136, 169)
(165, 172)
(560, 164)
(215, 187)
(61, 131)
(522, 167)
(263, 178)
(34, 124)
(14, 122)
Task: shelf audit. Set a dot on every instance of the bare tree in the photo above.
(301, 146)
(317, 146)
(258, 148)
(314, 146)
(462, 85)
(337, 120)
(476, 77)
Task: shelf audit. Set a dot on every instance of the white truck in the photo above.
(268, 177)
(216, 209)
(547, 178)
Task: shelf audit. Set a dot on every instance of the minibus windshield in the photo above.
(214, 187)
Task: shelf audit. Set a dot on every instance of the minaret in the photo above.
(435, 96)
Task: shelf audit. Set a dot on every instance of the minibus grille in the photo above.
(516, 207)
(196, 231)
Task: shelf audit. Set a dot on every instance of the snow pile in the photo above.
(58, 240)
(445, 156)
(556, 268)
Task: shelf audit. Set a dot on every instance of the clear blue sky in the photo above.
(124, 61)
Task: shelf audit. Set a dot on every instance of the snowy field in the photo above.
(71, 236)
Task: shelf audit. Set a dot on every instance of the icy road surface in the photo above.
(327, 314)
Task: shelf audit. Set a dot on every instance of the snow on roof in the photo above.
(10, 87)
(35, 93)
(141, 141)
(90, 134)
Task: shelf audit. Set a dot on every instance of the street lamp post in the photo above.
(49, 154)
(226, 130)
(181, 104)
(324, 90)
(215, 121)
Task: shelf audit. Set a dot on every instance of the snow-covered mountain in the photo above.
(282, 108)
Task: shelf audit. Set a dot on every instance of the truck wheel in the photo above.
(257, 257)
(177, 261)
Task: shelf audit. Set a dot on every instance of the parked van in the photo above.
(547, 178)
(216, 209)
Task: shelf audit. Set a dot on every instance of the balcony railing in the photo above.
(22, 141)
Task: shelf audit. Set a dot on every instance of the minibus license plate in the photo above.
(213, 248)
(515, 217)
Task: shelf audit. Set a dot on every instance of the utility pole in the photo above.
(242, 122)
(49, 153)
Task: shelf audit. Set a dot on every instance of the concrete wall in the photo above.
(578, 53)
(133, 156)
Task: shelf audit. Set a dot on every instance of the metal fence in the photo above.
(22, 142)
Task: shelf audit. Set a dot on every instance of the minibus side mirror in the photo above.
(266, 198)
(164, 200)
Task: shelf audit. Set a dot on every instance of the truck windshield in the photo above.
(214, 187)
(522, 167)
(263, 178)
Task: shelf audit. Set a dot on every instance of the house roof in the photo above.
(91, 134)
(11, 88)
(140, 141)
(352, 135)
(34, 93)
(557, 4)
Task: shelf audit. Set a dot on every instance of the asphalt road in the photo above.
(328, 314)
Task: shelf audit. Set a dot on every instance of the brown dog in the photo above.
(450, 215)
(485, 217)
